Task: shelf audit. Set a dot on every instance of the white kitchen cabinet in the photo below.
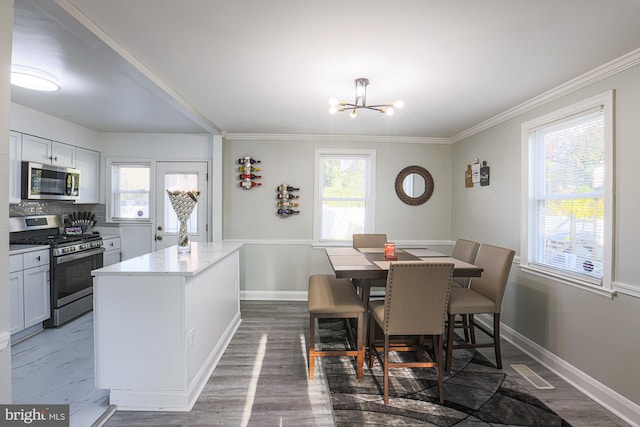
(29, 289)
(88, 163)
(15, 167)
(16, 293)
(112, 253)
(48, 152)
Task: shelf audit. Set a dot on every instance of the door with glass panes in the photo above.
(184, 176)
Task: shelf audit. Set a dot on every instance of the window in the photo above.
(344, 194)
(130, 191)
(567, 166)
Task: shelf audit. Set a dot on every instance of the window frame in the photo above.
(370, 182)
(604, 101)
(110, 191)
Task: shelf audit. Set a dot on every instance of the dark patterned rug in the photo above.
(476, 393)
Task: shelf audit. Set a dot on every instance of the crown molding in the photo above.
(281, 137)
(606, 70)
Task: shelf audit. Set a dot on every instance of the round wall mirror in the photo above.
(414, 185)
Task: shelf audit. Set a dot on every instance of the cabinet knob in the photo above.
(55, 158)
(38, 258)
(111, 244)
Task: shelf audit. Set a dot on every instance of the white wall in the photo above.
(280, 257)
(32, 122)
(6, 35)
(597, 335)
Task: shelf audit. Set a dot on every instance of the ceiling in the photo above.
(258, 67)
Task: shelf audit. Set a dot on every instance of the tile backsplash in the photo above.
(63, 209)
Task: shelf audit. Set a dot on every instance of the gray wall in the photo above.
(280, 257)
(595, 334)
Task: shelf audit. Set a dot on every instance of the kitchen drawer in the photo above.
(15, 263)
(36, 258)
(111, 243)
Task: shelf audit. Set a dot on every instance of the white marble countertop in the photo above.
(169, 262)
(21, 249)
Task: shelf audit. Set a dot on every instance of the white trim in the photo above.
(602, 72)
(278, 137)
(273, 295)
(271, 241)
(605, 396)
(627, 289)
(5, 339)
(305, 242)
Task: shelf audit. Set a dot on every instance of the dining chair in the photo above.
(369, 240)
(329, 297)
(484, 295)
(464, 250)
(415, 305)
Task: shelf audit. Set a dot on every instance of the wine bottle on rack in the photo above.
(248, 169)
(250, 184)
(249, 176)
(247, 160)
(284, 204)
(287, 196)
(287, 212)
(286, 188)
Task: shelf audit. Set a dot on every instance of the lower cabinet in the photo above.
(29, 289)
(112, 252)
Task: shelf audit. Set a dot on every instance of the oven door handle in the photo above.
(72, 257)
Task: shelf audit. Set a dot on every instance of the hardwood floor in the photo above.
(262, 380)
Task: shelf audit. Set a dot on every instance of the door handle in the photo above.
(158, 237)
(159, 228)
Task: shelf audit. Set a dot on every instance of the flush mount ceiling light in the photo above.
(32, 78)
(361, 102)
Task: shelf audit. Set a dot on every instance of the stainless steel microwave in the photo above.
(46, 182)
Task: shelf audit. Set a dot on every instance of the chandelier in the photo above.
(361, 102)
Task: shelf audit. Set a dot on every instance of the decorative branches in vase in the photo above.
(183, 203)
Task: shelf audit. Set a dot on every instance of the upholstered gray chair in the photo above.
(464, 250)
(484, 295)
(329, 297)
(369, 240)
(415, 305)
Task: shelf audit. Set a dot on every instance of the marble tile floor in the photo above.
(56, 366)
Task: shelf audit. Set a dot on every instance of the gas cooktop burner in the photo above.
(55, 239)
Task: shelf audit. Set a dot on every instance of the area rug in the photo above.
(476, 393)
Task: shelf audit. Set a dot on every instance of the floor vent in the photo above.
(536, 380)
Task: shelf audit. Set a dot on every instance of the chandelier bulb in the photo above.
(398, 104)
(333, 102)
(389, 111)
(353, 114)
(333, 110)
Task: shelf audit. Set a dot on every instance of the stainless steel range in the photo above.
(72, 259)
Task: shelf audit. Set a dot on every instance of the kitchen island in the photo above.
(162, 322)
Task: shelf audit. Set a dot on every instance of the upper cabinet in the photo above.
(15, 157)
(40, 150)
(88, 162)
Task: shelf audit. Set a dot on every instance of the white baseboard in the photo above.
(273, 295)
(610, 399)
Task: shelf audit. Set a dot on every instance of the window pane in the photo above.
(183, 182)
(344, 178)
(571, 235)
(566, 230)
(340, 220)
(130, 185)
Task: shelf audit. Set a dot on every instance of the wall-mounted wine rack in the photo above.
(287, 201)
(247, 173)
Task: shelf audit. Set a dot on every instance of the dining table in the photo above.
(362, 265)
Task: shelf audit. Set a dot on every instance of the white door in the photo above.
(184, 176)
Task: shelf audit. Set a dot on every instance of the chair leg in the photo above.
(465, 327)
(472, 328)
(385, 369)
(450, 330)
(496, 339)
(438, 356)
(360, 344)
(372, 333)
(312, 344)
